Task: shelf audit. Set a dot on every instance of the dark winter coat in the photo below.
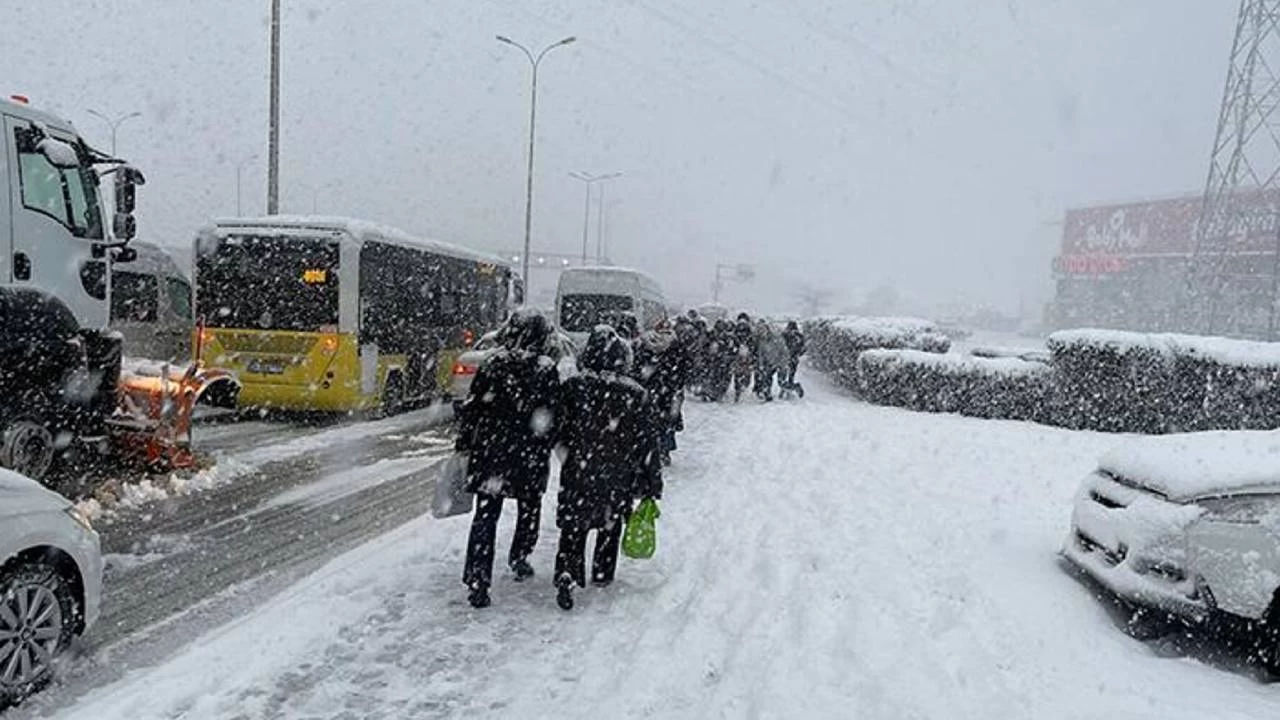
(662, 365)
(509, 424)
(795, 342)
(607, 426)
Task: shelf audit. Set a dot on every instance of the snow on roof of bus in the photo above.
(609, 270)
(361, 229)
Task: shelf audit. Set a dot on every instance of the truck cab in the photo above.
(59, 362)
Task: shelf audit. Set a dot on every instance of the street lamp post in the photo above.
(534, 61)
(590, 180)
(113, 124)
(273, 128)
(239, 167)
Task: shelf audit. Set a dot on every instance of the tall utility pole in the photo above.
(534, 62)
(588, 180)
(273, 135)
(1227, 292)
(113, 124)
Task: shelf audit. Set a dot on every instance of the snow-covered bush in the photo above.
(834, 343)
(1008, 388)
(1151, 383)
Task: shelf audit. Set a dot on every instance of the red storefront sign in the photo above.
(1165, 227)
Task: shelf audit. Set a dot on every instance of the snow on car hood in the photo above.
(20, 495)
(1193, 465)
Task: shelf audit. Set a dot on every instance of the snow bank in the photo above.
(1192, 465)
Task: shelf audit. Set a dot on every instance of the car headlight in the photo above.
(1242, 510)
(81, 519)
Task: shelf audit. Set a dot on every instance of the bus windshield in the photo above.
(580, 313)
(269, 283)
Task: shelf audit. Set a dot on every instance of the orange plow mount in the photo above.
(152, 422)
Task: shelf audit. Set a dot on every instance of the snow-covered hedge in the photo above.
(834, 343)
(1152, 383)
(1009, 388)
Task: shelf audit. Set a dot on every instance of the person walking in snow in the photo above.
(611, 460)
(744, 359)
(508, 428)
(720, 357)
(794, 340)
(662, 368)
(772, 358)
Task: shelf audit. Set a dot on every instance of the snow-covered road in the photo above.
(817, 559)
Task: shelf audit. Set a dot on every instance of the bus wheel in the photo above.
(393, 395)
(27, 448)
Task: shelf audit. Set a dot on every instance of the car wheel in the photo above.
(27, 448)
(37, 612)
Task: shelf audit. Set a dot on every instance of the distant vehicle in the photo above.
(151, 305)
(561, 349)
(339, 315)
(59, 365)
(713, 312)
(50, 582)
(1188, 525)
(586, 297)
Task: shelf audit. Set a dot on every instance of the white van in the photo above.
(589, 296)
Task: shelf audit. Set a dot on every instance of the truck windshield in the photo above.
(268, 283)
(580, 313)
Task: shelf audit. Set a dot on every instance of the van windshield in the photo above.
(580, 313)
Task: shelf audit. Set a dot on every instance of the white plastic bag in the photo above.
(451, 497)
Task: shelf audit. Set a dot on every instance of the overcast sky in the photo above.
(925, 144)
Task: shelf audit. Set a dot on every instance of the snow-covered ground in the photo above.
(817, 559)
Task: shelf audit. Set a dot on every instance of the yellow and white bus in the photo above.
(340, 315)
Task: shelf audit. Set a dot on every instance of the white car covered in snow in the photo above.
(1187, 524)
(50, 582)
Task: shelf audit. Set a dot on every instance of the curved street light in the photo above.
(534, 61)
(113, 124)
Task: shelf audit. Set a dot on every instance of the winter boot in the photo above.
(564, 594)
(522, 569)
(479, 596)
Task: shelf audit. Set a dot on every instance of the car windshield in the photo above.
(594, 359)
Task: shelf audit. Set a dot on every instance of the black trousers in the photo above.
(571, 559)
(484, 530)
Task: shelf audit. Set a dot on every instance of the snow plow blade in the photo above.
(152, 422)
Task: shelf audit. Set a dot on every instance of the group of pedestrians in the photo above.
(609, 422)
(734, 357)
(613, 427)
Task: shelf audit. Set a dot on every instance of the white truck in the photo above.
(59, 362)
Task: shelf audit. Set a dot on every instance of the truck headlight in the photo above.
(81, 519)
(1242, 510)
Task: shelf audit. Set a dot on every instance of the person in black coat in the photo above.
(508, 430)
(794, 339)
(607, 429)
(662, 368)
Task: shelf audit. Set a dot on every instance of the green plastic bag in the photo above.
(640, 539)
